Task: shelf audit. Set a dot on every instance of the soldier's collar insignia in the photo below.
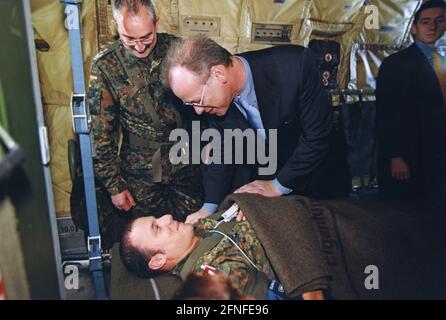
(155, 64)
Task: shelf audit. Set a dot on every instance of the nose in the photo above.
(165, 220)
(433, 26)
(199, 110)
(140, 47)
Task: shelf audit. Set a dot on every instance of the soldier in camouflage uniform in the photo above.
(195, 248)
(132, 116)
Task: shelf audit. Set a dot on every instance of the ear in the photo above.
(157, 262)
(413, 29)
(219, 72)
(157, 20)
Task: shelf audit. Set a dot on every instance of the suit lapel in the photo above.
(266, 90)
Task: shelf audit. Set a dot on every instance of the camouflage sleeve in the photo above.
(104, 113)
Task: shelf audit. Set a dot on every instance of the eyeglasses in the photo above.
(194, 104)
(145, 41)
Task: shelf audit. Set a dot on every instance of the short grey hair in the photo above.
(198, 54)
(133, 7)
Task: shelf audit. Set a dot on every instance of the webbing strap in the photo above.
(81, 127)
(139, 85)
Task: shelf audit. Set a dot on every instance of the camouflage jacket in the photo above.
(224, 256)
(126, 96)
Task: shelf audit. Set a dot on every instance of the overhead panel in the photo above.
(219, 19)
(268, 22)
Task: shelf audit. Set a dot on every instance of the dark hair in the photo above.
(197, 54)
(133, 7)
(428, 5)
(135, 259)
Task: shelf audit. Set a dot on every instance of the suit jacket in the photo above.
(292, 100)
(411, 122)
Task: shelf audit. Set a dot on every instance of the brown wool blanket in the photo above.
(338, 244)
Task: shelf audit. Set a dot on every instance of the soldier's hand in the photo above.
(194, 217)
(123, 201)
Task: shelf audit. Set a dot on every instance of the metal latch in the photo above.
(44, 145)
(94, 247)
(80, 117)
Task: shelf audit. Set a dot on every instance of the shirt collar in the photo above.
(248, 93)
(179, 267)
(427, 50)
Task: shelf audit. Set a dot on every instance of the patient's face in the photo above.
(165, 234)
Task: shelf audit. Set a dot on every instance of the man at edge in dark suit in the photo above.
(411, 115)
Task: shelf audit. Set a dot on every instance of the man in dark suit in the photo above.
(276, 88)
(411, 114)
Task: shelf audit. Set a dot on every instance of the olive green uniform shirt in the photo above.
(218, 252)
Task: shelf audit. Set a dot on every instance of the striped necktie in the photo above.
(440, 71)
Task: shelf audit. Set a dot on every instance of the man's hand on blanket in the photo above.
(194, 217)
(264, 188)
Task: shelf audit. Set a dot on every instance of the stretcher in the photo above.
(339, 240)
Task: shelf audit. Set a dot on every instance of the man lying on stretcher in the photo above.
(151, 247)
